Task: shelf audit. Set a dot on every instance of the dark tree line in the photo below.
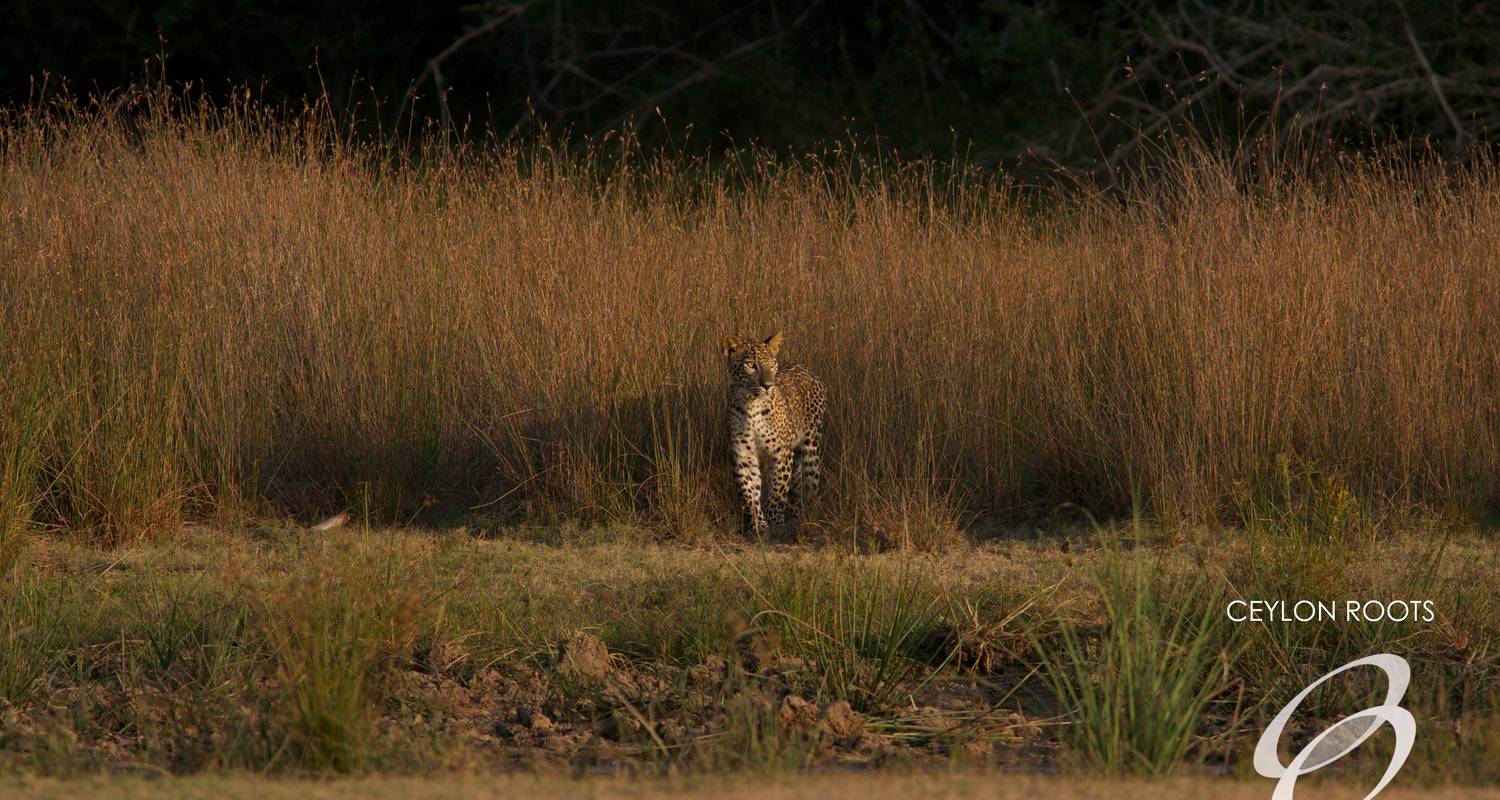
(1062, 80)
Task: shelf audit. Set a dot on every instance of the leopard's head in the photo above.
(752, 364)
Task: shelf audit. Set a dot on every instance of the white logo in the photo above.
(1346, 734)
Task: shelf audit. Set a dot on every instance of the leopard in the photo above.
(776, 415)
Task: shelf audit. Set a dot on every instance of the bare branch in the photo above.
(434, 68)
(1460, 135)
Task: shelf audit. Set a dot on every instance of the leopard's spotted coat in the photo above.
(775, 426)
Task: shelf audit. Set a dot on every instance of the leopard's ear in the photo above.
(774, 342)
(731, 344)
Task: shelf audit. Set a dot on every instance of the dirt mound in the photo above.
(584, 658)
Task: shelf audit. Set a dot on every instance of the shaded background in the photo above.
(1057, 80)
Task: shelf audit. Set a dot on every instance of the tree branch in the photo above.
(1460, 136)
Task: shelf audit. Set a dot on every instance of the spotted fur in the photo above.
(775, 426)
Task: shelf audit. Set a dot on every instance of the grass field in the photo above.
(411, 652)
(1067, 428)
(227, 314)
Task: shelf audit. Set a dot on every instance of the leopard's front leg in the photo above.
(747, 479)
(781, 484)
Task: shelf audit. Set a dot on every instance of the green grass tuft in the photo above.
(1136, 690)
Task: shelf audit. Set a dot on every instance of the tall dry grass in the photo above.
(230, 313)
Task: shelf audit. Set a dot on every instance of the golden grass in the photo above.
(230, 314)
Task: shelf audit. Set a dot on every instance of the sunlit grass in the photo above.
(232, 314)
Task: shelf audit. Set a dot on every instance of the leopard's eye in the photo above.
(749, 366)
